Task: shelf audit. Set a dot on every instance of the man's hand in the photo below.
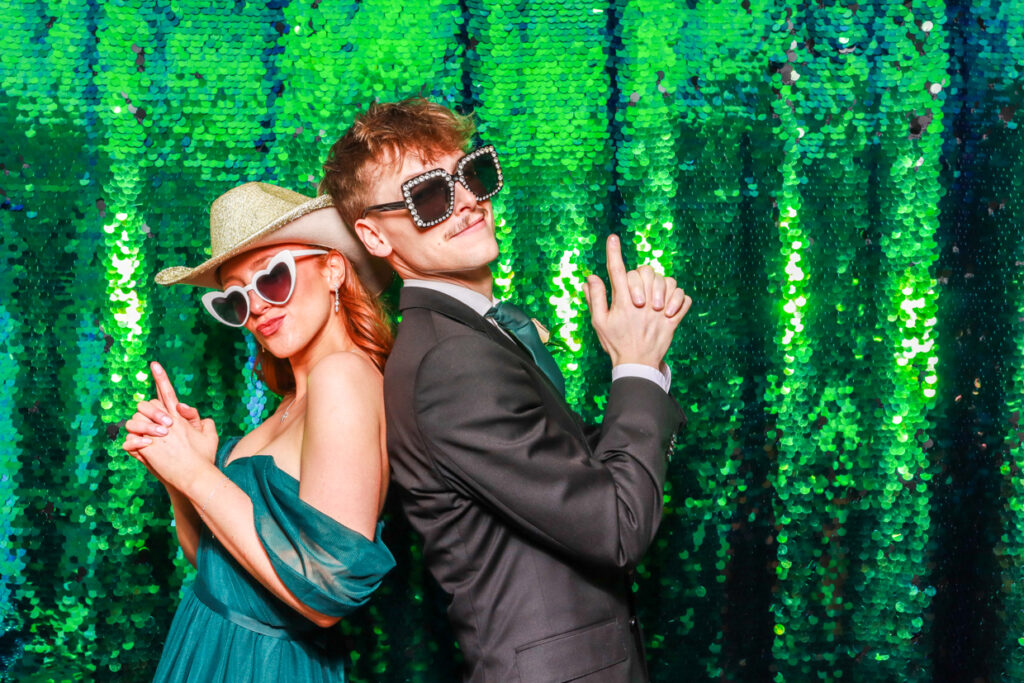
(645, 310)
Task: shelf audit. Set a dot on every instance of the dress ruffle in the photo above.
(328, 566)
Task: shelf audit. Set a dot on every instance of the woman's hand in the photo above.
(169, 437)
(152, 417)
(177, 457)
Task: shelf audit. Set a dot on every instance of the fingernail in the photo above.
(145, 441)
(156, 368)
(162, 431)
(166, 420)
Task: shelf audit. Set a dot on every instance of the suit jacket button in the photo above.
(632, 621)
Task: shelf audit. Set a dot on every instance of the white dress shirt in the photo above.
(481, 304)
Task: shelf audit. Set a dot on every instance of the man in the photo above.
(531, 520)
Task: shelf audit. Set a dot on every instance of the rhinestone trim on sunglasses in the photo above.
(450, 180)
(419, 180)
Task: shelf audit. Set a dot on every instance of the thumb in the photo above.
(190, 414)
(597, 299)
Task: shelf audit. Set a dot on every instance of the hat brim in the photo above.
(313, 222)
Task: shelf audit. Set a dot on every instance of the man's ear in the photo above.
(372, 238)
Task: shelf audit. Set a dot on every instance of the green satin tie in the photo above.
(514, 321)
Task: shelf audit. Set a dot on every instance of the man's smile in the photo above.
(470, 222)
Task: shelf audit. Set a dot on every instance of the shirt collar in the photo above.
(475, 300)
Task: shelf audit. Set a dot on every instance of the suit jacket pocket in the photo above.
(574, 654)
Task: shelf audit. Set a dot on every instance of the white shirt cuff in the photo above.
(662, 377)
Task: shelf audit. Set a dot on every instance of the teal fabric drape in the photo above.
(837, 185)
(227, 628)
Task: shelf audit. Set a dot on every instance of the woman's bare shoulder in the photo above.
(345, 370)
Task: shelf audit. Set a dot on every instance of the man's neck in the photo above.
(483, 285)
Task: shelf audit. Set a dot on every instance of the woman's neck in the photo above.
(334, 338)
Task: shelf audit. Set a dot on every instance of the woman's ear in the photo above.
(372, 238)
(336, 269)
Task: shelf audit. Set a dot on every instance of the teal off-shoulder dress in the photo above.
(229, 628)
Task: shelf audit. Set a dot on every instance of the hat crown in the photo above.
(244, 211)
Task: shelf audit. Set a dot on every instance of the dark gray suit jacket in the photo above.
(531, 520)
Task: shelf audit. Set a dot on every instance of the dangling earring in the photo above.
(337, 299)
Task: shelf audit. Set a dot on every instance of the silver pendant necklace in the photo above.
(290, 404)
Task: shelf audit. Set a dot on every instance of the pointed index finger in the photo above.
(616, 267)
(164, 389)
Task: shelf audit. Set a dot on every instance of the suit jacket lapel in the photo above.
(421, 297)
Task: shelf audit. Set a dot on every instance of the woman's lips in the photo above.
(271, 326)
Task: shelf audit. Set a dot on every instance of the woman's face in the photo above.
(289, 328)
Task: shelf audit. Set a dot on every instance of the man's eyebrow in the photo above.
(419, 173)
(437, 165)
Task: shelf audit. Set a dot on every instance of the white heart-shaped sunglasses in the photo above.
(274, 284)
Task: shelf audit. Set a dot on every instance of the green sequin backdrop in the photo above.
(838, 185)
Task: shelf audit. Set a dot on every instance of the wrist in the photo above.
(198, 480)
(215, 490)
(636, 360)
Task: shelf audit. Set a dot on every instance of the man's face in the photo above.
(459, 249)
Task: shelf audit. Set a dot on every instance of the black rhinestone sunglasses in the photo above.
(430, 196)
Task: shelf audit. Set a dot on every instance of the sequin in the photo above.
(838, 187)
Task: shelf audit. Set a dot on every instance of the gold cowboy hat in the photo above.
(258, 214)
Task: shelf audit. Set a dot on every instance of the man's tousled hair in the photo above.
(382, 136)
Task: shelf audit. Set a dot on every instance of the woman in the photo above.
(282, 523)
